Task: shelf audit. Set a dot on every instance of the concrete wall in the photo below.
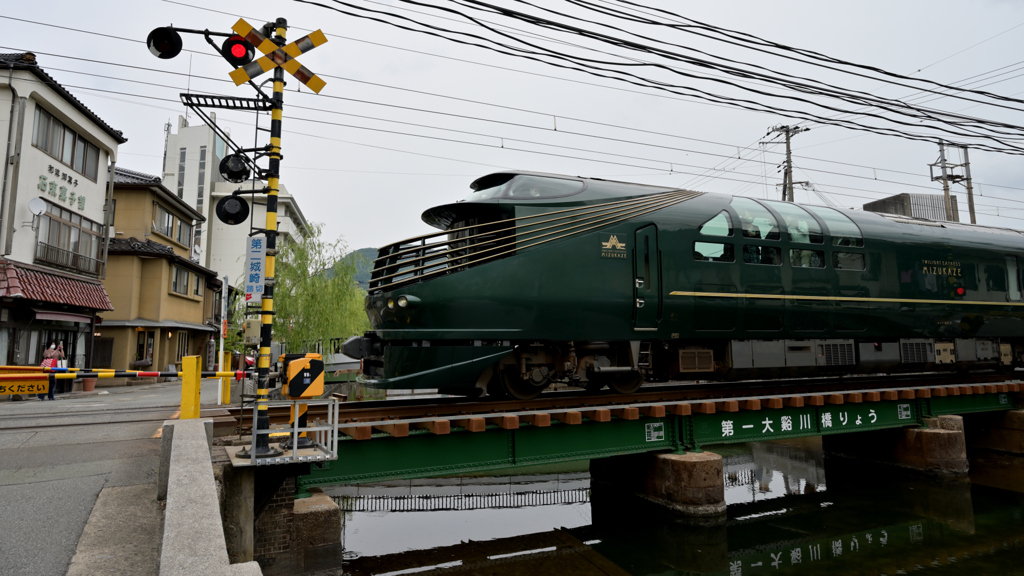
(193, 535)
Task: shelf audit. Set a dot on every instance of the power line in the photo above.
(709, 173)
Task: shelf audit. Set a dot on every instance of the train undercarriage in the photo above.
(522, 370)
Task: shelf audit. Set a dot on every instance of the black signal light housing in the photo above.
(164, 43)
(960, 291)
(237, 51)
(232, 210)
(233, 168)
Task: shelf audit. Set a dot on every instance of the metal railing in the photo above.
(323, 433)
(67, 259)
(459, 248)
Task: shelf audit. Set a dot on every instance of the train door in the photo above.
(646, 278)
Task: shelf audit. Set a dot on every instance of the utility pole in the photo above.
(947, 175)
(787, 178)
(970, 188)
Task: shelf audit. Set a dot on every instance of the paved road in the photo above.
(51, 476)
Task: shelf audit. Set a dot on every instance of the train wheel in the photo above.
(626, 383)
(513, 386)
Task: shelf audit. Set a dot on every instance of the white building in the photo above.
(56, 156)
(192, 158)
(226, 253)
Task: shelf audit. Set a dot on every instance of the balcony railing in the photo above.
(67, 259)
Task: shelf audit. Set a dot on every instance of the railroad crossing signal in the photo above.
(284, 56)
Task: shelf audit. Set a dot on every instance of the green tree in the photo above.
(316, 296)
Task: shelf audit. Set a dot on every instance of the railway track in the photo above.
(78, 418)
(695, 394)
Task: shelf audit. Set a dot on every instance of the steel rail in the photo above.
(365, 413)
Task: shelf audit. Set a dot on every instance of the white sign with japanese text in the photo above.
(256, 255)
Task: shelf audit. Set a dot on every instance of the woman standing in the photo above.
(51, 355)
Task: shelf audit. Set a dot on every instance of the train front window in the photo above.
(755, 220)
(720, 225)
(844, 232)
(713, 252)
(802, 227)
(541, 188)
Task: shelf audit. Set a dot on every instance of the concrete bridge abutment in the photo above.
(692, 483)
(938, 449)
(1001, 432)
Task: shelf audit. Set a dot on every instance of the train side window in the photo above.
(848, 261)
(720, 225)
(802, 227)
(1011, 270)
(844, 232)
(713, 252)
(767, 255)
(755, 220)
(807, 258)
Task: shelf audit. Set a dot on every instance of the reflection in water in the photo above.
(780, 519)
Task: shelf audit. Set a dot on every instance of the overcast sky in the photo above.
(368, 180)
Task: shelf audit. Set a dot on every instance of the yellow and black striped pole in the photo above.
(267, 307)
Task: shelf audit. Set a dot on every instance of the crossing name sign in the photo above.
(254, 273)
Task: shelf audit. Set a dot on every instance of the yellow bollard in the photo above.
(225, 382)
(191, 370)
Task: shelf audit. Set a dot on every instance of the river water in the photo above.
(790, 511)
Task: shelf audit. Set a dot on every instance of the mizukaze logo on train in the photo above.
(538, 278)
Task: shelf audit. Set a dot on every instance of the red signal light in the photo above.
(960, 291)
(237, 51)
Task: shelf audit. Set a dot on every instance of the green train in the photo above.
(540, 278)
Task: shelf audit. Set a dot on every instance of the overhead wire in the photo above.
(745, 104)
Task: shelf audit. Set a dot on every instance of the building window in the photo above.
(179, 283)
(184, 233)
(202, 174)
(181, 173)
(198, 285)
(68, 240)
(64, 144)
(163, 221)
(182, 345)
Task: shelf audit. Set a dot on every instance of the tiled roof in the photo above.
(135, 245)
(27, 61)
(132, 245)
(125, 176)
(23, 282)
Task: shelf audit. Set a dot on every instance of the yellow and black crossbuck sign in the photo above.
(283, 56)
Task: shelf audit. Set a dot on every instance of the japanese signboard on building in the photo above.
(256, 255)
